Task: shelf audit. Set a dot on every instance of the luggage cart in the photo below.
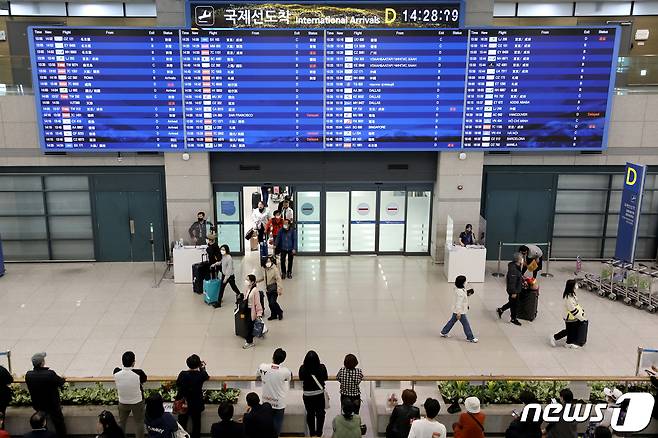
(599, 283)
(619, 279)
(647, 297)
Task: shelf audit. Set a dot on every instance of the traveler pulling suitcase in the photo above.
(528, 300)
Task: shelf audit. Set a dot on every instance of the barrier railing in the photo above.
(545, 273)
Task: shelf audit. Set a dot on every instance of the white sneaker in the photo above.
(446, 335)
(574, 346)
(247, 345)
(474, 340)
(552, 341)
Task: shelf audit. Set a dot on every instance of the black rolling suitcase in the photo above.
(527, 305)
(241, 321)
(200, 272)
(578, 333)
(255, 199)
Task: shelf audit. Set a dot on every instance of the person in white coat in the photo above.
(459, 311)
(260, 216)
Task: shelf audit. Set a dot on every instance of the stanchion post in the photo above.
(155, 275)
(500, 254)
(548, 274)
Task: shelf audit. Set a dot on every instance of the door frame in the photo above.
(338, 189)
(419, 188)
(390, 188)
(239, 188)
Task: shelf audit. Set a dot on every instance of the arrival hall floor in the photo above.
(386, 310)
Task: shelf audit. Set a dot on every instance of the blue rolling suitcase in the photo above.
(211, 290)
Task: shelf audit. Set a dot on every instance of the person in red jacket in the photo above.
(471, 422)
(274, 225)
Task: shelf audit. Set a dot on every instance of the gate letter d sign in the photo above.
(631, 176)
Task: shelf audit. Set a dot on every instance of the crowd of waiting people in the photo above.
(264, 417)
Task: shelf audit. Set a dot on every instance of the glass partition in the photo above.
(418, 221)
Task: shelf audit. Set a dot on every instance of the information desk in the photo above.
(184, 258)
(468, 261)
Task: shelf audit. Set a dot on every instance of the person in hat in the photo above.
(611, 397)
(471, 422)
(44, 384)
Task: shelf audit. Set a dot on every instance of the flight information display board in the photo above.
(323, 89)
(394, 89)
(538, 88)
(108, 89)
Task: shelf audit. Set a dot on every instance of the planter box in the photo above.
(498, 417)
(82, 420)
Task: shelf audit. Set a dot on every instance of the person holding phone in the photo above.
(459, 310)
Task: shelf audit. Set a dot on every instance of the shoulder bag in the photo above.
(327, 400)
(270, 288)
(180, 433)
(477, 421)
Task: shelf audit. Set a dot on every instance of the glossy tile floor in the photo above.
(386, 310)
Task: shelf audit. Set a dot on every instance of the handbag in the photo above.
(364, 429)
(180, 433)
(180, 406)
(454, 407)
(249, 234)
(327, 399)
(259, 328)
(533, 265)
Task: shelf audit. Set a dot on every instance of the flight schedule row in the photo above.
(347, 89)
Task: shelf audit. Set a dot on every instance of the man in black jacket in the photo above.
(38, 424)
(44, 384)
(259, 418)
(6, 379)
(514, 281)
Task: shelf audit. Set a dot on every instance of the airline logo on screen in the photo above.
(635, 418)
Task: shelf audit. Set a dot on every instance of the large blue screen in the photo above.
(313, 90)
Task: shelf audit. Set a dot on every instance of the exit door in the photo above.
(123, 221)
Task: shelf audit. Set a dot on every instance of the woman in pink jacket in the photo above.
(255, 308)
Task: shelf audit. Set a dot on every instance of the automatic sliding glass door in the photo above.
(308, 221)
(392, 211)
(338, 223)
(363, 219)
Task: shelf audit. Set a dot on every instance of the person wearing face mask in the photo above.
(286, 245)
(467, 237)
(260, 217)
(198, 231)
(214, 254)
(459, 311)
(273, 288)
(252, 299)
(574, 319)
(228, 274)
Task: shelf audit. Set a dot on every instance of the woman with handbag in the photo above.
(313, 375)
(471, 422)
(273, 288)
(459, 311)
(254, 309)
(575, 316)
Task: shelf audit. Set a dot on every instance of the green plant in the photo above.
(101, 395)
(500, 391)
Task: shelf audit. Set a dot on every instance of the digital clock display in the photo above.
(431, 15)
